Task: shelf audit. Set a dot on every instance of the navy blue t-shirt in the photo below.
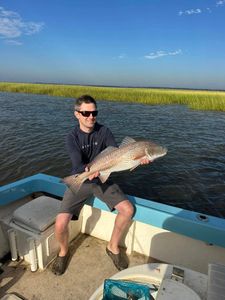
(84, 147)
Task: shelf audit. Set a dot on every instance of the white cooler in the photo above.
(31, 232)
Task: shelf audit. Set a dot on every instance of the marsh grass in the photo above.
(195, 99)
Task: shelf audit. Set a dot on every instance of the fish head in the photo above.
(154, 151)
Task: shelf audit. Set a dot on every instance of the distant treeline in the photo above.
(195, 99)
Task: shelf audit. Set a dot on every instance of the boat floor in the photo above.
(88, 267)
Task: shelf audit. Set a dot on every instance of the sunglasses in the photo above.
(87, 113)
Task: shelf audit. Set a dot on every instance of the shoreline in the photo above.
(194, 99)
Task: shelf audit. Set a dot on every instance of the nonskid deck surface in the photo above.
(88, 267)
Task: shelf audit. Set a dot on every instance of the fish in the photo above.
(127, 156)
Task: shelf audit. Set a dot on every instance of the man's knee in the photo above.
(62, 222)
(126, 208)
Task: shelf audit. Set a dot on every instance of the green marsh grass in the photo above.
(195, 99)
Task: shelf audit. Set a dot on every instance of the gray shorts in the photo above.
(72, 203)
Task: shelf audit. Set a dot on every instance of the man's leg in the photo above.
(71, 206)
(62, 232)
(62, 236)
(114, 197)
(125, 212)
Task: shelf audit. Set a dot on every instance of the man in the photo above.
(86, 141)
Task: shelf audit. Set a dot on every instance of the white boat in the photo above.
(183, 240)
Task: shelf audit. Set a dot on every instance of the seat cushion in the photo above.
(37, 214)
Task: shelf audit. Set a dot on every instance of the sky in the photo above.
(142, 43)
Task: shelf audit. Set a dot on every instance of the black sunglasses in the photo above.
(87, 113)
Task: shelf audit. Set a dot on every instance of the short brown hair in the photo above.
(84, 99)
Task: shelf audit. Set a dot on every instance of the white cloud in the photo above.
(199, 11)
(158, 54)
(220, 3)
(13, 26)
(190, 12)
(13, 42)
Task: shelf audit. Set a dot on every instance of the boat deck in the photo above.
(88, 267)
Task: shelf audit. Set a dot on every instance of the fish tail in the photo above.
(74, 182)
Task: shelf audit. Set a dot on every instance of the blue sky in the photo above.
(151, 43)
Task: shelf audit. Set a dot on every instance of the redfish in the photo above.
(127, 156)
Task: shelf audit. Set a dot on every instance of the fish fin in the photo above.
(138, 159)
(134, 167)
(104, 176)
(104, 153)
(74, 182)
(108, 150)
(126, 141)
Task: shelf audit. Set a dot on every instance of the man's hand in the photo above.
(91, 177)
(145, 161)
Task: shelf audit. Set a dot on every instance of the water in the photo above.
(190, 176)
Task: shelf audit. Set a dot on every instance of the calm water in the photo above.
(190, 176)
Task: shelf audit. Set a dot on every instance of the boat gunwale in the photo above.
(208, 228)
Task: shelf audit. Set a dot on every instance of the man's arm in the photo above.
(75, 154)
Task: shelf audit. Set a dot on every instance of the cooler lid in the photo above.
(216, 280)
(37, 214)
(171, 289)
